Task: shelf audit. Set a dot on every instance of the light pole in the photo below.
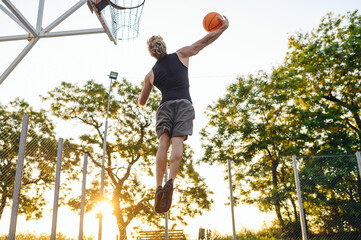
(112, 76)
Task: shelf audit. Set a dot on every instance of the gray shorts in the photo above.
(176, 117)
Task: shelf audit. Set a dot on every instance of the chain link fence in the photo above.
(9, 147)
(31, 160)
(330, 190)
(27, 165)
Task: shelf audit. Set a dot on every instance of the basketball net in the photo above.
(125, 17)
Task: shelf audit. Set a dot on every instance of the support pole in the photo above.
(57, 187)
(64, 16)
(100, 231)
(298, 188)
(166, 214)
(82, 204)
(358, 158)
(20, 17)
(39, 21)
(232, 202)
(18, 59)
(18, 177)
(15, 19)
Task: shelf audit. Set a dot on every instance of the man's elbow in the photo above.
(197, 49)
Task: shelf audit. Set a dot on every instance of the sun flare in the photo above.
(109, 227)
(104, 208)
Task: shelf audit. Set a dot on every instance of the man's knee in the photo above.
(164, 141)
(178, 140)
(176, 157)
(177, 148)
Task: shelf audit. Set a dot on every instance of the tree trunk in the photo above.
(278, 209)
(3, 204)
(122, 233)
(295, 210)
(276, 196)
(297, 218)
(122, 226)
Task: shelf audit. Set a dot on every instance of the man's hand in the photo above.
(189, 51)
(137, 102)
(225, 22)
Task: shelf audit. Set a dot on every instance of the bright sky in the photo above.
(256, 40)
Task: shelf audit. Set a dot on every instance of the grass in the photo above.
(44, 236)
(269, 235)
(244, 235)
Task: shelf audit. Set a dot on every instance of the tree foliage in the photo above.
(323, 68)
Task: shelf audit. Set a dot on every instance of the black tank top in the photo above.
(171, 78)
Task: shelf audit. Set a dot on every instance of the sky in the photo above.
(257, 39)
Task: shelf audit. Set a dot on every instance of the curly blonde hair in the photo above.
(157, 47)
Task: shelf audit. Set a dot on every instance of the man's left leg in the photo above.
(175, 161)
(176, 156)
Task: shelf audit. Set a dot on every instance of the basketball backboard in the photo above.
(107, 17)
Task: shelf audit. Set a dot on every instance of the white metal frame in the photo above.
(34, 34)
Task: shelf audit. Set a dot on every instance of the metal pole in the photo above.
(166, 214)
(18, 177)
(358, 158)
(232, 203)
(15, 19)
(39, 21)
(18, 59)
(56, 191)
(298, 188)
(64, 16)
(103, 163)
(20, 17)
(83, 197)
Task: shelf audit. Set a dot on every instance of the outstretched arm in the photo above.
(141, 100)
(196, 47)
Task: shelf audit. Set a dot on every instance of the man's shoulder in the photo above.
(181, 54)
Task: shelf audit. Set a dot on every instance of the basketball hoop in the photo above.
(123, 8)
(125, 17)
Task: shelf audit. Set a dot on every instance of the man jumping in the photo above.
(175, 114)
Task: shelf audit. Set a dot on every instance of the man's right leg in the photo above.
(161, 163)
(175, 160)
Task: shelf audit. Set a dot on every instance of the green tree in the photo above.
(130, 152)
(331, 193)
(322, 68)
(39, 162)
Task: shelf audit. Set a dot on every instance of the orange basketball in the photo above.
(211, 21)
